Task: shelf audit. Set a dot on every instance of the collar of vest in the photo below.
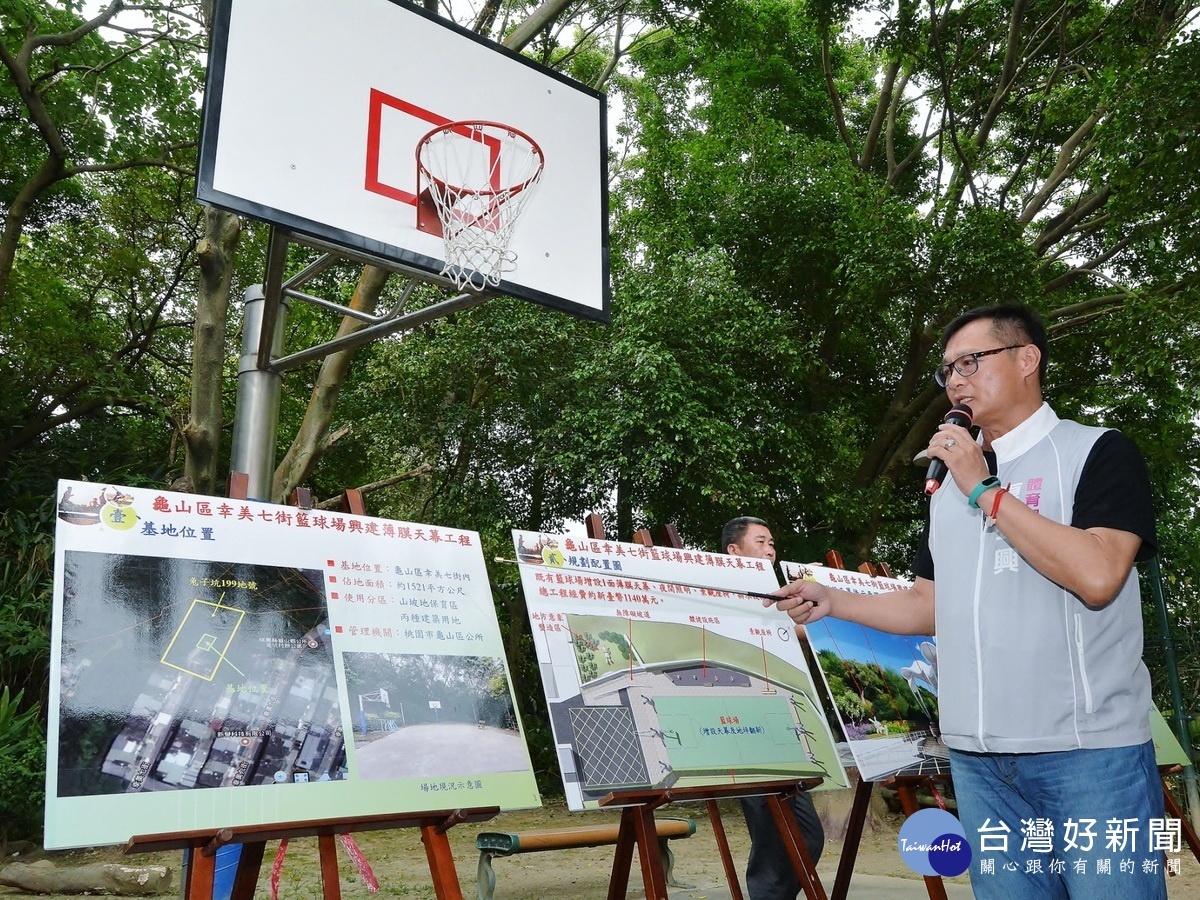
(1025, 435)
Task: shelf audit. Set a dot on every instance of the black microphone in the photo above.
(960, 414)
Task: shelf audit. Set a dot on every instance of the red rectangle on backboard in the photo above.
(378, 103)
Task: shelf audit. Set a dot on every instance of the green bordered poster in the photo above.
(219, 663)
(658, 675)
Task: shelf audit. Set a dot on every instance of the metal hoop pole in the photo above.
(256, 416)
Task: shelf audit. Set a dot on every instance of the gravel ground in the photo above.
(398, 859)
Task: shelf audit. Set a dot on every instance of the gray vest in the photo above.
(1023, 665)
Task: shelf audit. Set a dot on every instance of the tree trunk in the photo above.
(202, 434)
(519, 640)
(14, 220)
(624, 508)
(96, 878)
(537, 21)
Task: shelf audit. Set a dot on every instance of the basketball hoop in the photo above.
(477, 176)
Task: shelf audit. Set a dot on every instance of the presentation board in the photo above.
(657, 675)
(1167, 749)
(883, 686)
(218, 663)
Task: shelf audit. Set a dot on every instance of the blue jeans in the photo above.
(1068, 816)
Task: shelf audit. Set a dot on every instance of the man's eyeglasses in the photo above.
(967, 364)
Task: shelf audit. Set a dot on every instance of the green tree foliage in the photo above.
(470, 689)
(862, 691)
(100, 229)
(619, 641)
(27, 551)
(98, 321)
(22, 768)
(861, 194)
(80, 103)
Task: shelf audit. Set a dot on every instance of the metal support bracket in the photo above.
(278, 291)
(261, 366)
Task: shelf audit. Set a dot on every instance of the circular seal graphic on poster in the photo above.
(552, 555)
(933, 842)
(118, 516)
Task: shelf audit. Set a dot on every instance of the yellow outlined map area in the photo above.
(202, 639)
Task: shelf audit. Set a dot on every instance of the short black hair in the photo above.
(735, 530)
(1013, 324)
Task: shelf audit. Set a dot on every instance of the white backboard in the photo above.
(312, 116)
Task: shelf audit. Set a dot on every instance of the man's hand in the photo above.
(804, 601)
(954, 446)
(905, 611)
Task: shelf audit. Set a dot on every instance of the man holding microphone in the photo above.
(1026, 575)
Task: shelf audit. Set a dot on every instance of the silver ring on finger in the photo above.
(950, 443)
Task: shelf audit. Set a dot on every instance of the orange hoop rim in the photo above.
(467, 124)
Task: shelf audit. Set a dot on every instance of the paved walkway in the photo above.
(862, 887)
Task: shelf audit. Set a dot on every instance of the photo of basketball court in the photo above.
(427, 716)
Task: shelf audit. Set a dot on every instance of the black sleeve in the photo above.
(922, 566)
(1114, 492)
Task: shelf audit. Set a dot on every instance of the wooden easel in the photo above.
(637, 818)
(906, 787)
(1185, 826)
(637, 830)
(202, 845)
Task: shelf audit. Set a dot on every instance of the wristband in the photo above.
(996, 504)
(980, 489)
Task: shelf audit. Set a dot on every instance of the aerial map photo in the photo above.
(179, 674)
(883, 686)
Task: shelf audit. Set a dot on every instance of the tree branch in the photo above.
(67, 38)
(835, 98)
(882, 106)
(1068, 162)
(336, 502)
(139, 162)
(1063, 224)
(538, 20)
(486, 18)
(308, 444)
(615, 56)
(1087, 306)
(1074, 274)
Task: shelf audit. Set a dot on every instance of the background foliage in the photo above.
(800, 201)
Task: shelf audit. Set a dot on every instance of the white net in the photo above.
(479, 176)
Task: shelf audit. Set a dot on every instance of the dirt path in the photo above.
(398, 860)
